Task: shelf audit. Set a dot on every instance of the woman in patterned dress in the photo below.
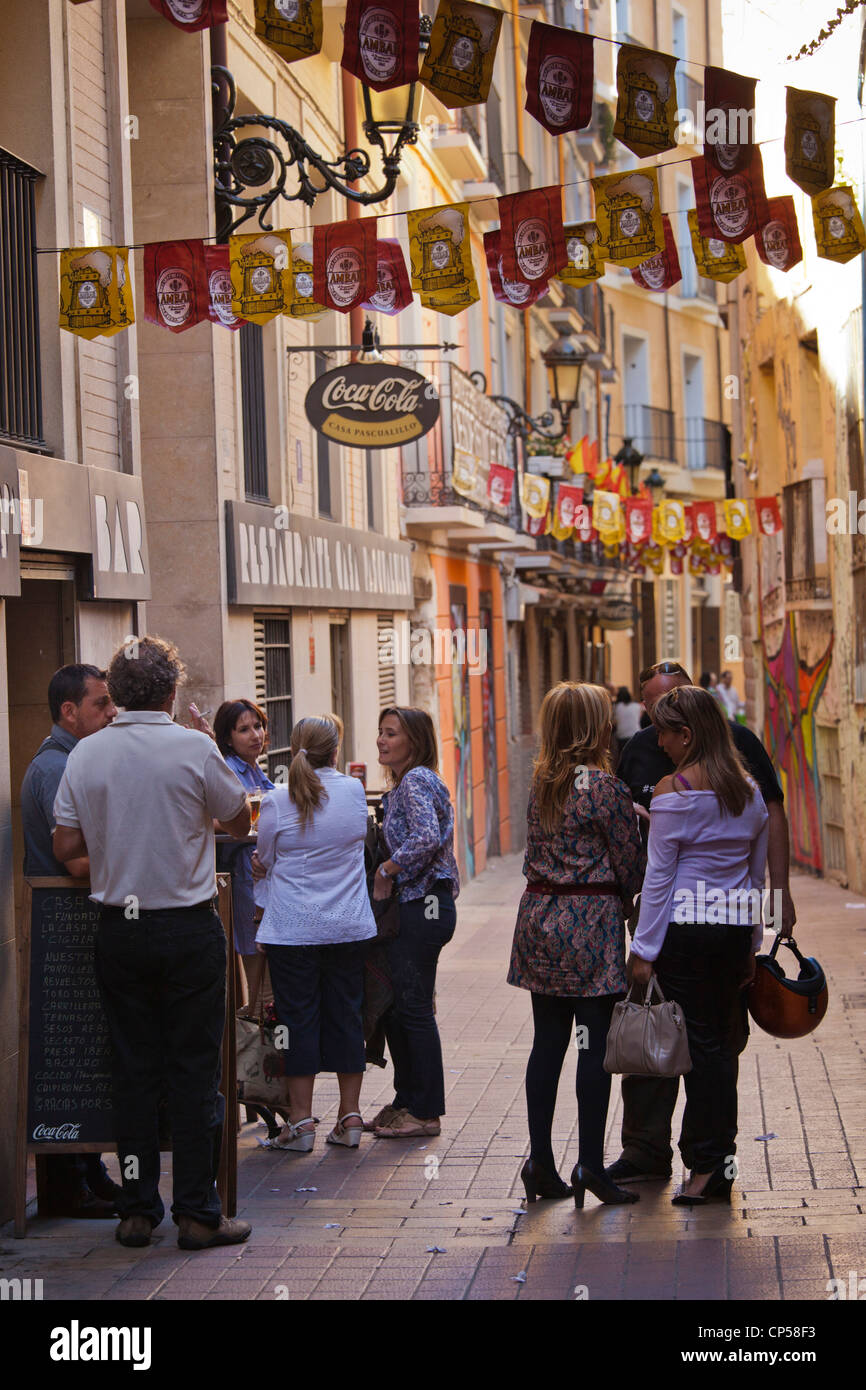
(584, 862)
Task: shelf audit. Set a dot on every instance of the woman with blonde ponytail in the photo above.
(317, 917)
(584, 862)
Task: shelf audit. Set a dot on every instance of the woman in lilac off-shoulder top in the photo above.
(419, 834)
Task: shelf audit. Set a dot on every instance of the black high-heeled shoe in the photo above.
(538, 1182)
(600, 1187)
(717, 1189)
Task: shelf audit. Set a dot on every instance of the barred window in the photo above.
(273, 669)
(20, 374)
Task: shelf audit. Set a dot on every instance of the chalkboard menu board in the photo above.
(69, 1073)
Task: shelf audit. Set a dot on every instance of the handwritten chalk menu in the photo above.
(69, 1074)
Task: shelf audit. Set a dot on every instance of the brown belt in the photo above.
(575, 890)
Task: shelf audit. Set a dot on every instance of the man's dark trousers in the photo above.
(163, 977)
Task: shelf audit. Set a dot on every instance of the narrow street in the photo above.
(444, 1219)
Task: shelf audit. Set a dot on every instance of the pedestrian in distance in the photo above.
(584, 862)
(648, 1102)
(141, 796)
(700, 919)
(418, 827)
(79, 702)
(317, 918)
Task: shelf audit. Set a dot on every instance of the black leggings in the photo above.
(553, 1017)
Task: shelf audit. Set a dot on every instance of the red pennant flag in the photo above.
(662, 270)
(769, 516)
(192, 15)
(688, 523)
(514, 292)
(778, 241)
(731, 207)
(537, 525)
(393, 291)
(345, 264)
(729, 122)
(531, 235)
(559, 78)
(705, 521)
(638, 520)
(568, 505)
(584, 530)
(500, 484)
(175, 284)
(219, 285)
(380, 46)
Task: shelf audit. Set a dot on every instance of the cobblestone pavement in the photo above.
(445, 1219)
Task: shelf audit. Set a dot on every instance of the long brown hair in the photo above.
(313, 744)
(690, 707)
(574, 720)
(418, 728)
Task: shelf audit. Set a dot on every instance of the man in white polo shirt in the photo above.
(140, 798)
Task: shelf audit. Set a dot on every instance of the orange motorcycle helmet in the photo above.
(784, 1007)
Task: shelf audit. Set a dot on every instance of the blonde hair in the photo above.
(574, 720)
(690, 707)
(313, 744)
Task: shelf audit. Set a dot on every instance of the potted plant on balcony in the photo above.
(546, 456)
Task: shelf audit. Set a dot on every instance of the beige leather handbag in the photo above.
(647, 1039)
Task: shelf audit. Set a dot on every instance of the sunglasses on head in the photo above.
(661, 668)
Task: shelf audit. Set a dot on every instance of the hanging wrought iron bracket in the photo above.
(520, 423)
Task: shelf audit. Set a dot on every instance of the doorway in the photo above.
(341, 685)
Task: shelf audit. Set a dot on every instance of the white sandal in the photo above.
(291, 1136)
(348, 1136)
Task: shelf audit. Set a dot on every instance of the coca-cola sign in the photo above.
(53, 1134)
(372, 405)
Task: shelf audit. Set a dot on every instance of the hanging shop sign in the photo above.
(276, 557)
(372, 406)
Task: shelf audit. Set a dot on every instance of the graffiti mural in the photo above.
(793, 689)
(488, 719)
(464, 836)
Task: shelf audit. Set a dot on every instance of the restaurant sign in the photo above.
(275, 557)
(372, 405)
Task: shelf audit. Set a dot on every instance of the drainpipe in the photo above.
(350, 129)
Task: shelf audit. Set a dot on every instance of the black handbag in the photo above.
(385, 910)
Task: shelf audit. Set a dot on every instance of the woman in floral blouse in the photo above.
(419, 834)
(584, 862)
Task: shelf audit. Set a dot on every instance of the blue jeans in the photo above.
(163, 980)
(410, 1023)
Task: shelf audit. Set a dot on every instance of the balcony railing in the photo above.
(801, 590)
(706, 443)
(652, 431)
(469, 123)
(426, 486)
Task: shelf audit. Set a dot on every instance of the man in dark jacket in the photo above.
(648, 1101)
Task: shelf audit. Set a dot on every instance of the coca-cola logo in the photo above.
(186, 11)
(54, 1133)
(557, 85)
(174, 293)
(371, 405)
(515, 290)
(386, 288)
(654, 271)
(731, 206)
(344, 275)
(532, 245)
(776, 244)
(378, 40)
(220, 290)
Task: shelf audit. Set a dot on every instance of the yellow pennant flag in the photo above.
(458, 64)
(303, 305)
(810, 139)
(534, 494)
(95, 293)
(441, 258)
(838, 225)
(672, 522)
(628, 215)
(260, 267)
(737, 523)
(646, 110)
(715, 260)
(606, 515)
(292, 28)
(584, 262)
(464, 475)
(574, 457)
(653, 556)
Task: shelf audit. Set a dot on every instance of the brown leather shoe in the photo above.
(195, 1235)
(134, 1231)
(384, 1117)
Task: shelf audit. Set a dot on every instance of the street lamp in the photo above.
(656, 484)
(242, 167)
(629, 457)
(564, 362)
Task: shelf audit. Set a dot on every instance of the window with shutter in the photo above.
(387, 669)
(20, 372)
(273, 674)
